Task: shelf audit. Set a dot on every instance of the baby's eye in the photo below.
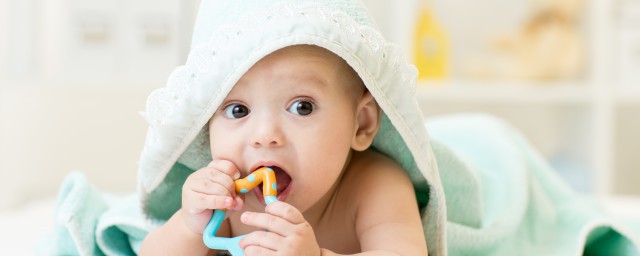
(302, 107)
(236, 111)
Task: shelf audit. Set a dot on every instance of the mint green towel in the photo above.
(502, 198)
(89, 222)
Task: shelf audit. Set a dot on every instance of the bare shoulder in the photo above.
(387, 212)
(373, 170)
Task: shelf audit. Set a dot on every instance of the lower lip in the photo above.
(281, 196)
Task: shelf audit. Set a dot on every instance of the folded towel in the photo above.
(503, 198)
(90, 222)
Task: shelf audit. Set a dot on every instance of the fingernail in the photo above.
(245, 216)
(228, 202)
(236, 175)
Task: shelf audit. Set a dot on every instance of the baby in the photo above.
(304, 112)
(313, 91)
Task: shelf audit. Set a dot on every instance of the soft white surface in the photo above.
(22, 228)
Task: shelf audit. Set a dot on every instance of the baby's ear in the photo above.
(368, 117)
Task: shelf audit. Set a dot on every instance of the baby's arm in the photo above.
(209, 188)
(388, 216)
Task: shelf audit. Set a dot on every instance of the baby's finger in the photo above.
(285, 211)
(266, 221)
(239, 202)
(226, 167)
(254, 250)
(199, 202)
(213, 184)
(264, 239)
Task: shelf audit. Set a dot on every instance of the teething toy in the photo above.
(264, 175)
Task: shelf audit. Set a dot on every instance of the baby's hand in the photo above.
(288, 232)
(208, 189)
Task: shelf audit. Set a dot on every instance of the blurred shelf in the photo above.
(505, 92)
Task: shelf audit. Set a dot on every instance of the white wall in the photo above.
(19, 46)
(4, 33)
(48, 131)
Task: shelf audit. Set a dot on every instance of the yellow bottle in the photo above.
(430, 47)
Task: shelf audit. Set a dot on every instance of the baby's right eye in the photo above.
(236, 111)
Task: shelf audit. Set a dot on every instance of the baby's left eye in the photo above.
(302, 107)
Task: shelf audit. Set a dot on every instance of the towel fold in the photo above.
(503, 198)
(90, 222)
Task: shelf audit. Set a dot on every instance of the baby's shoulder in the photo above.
(370, 170)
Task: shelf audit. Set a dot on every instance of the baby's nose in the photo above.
(268, 134)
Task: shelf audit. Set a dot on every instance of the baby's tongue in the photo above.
(282, 179)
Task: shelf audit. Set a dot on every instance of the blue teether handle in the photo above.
(230, 244)
(220, 243)
(263, 175)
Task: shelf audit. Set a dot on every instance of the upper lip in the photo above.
(266, 164)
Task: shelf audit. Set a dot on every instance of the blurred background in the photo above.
(75, 73)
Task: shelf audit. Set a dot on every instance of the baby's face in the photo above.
(294, 110)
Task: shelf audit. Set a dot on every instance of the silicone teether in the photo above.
(264, 175)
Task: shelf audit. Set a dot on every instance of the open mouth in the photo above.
(282, 182)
